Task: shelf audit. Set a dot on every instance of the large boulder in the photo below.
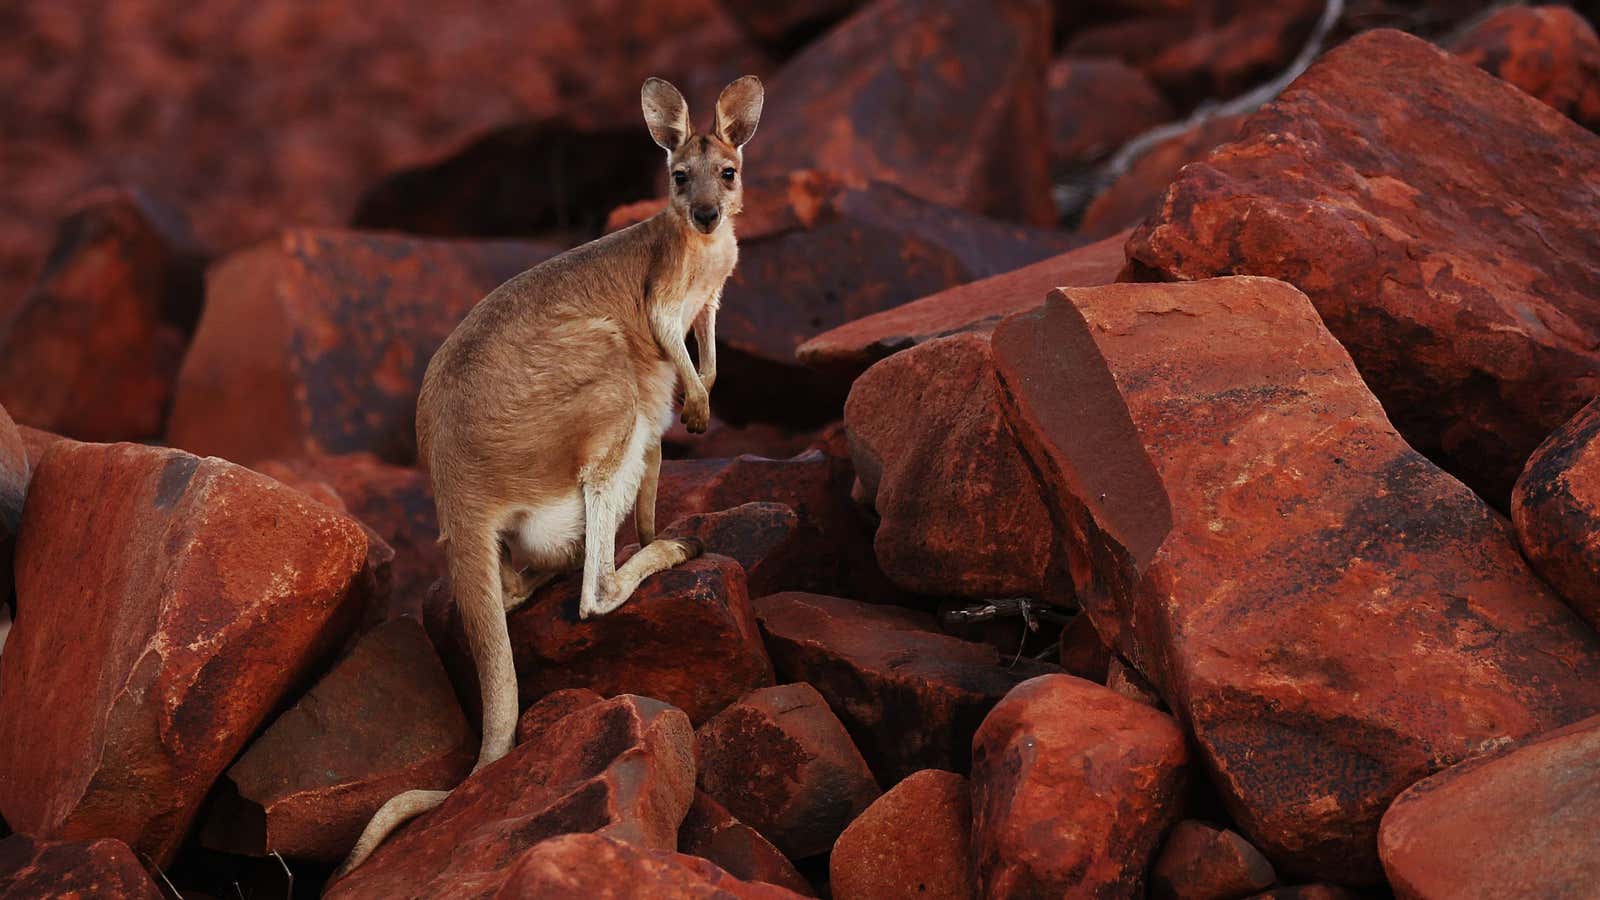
(1329, 614)
(959, 511)
(584, 866)
(1556, 509)
(623, 768)
(1072, 789)
(910, 696)
(383, 721)
(711, 832)
(1452, 247)
(913, 843)
(782, 763)
(327, 333)
(848, 350)
(138, 669)
(93, 349)
(1520, 823)
(945, 98)
(104, 869)
(1550, 52)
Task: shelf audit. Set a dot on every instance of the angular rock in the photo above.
(34, 441)
(1096, 105)
(1555, 507)
(1136, 192)
(1202, 862)
(1452, 248)
(93, 349)
(1209, 446)
(383, 721)
(724, 441)
(959, 511)
(1126, 680)
(1550, 52)
(552, 708)
(885, 95)
(913, 842)
(103, 869)
(781, 762)
(711, 832)
(137, 672)
(1520, 823)
(1072, 788)
(910, 696)
(1240, 50)
(623, 769)
(763, 538)
(783, 27)
(588, 865)
(328, 333)
(848, 350)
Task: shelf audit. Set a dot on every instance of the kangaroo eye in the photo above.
(679, 177)
(728, 173)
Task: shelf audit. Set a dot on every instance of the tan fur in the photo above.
(540, 417)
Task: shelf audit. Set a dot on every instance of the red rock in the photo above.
(1441, 243)
(103, 869)
(383, 721)
(1555, 506)
(1072, 788)
(885, 95)
(1096, 105)
(1083, 653)
(138, 671)
(1550, 52)
(1387, 626)
(328, 334)
(94, 347)
(1520, 823)
(763, 538)
(35, 442)
(1126, 680)
(249, 138)
(552, 708)
(724, 441)
(781, 762)
(910, 696)
(1136, 192)
(783, 27)
(1250, 46)
(711, 832)
(591, 867)
(622, 769)
(14, 470)
(959, 512)
(850, 349)
(1201, 862)
(913, 842)
(1307, 892)
(883, 247)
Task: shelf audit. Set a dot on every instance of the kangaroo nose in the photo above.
(704, 216)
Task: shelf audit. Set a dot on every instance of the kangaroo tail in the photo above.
(474, 562)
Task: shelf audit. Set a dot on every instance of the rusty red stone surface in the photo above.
(1082, 652)
(138, 671)
(1550, 52)
(1072, 789)
(763, 538)
(910, 696)
(1329, 614)
(913, 842)
(583, 866)
(711, 832)
(959, 511)
(1097, 104)
(552, 708)
(781, 762)
(104, 869)
(945, 98)
(328, 333)
(1247, 44)
(1519, 823)
(383, 721)
(227, 107)
(851, 348)
(1137, 192)
(94, 346)
(1555, 507)
(623, 769)
(1452, 247)
(782, 27)
(1199, 861)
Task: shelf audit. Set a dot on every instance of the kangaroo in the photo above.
(540, 417)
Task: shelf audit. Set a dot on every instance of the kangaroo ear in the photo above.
(665, 112)
(739, 110)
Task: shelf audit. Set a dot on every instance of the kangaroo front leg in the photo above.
(602, 514)
(644, 506)
(696, 400)
(705, 337)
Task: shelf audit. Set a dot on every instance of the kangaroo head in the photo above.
(705, 171)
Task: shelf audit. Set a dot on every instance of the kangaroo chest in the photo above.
(700, 277)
